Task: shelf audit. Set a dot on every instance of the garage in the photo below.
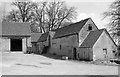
(16, 44)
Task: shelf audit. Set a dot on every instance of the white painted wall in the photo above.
(24, 46)
(29, 44)
(4, 44)
(26, 42)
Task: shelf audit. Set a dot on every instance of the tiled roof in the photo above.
(35, 37)
(15, 29)
(92, 38)
(43, 37)
(70, 29)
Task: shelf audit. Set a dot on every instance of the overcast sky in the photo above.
(93, 9)
(85, 9)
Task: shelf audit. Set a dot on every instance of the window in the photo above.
(89, 28)
(114, 51)
(105, 51)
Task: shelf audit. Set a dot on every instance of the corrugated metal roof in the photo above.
(15, 28)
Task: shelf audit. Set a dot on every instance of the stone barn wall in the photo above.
(64, 46)
(103, 44)
(84, 31)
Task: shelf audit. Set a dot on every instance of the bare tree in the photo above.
(39, 16)
(51, 15)
(57, 13)
(46, 15)
(114, 14)
(24, 10)
(13, 16)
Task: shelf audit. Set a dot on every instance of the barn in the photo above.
(67, 39)
(83, 41)
(98, 45)
(15, 36)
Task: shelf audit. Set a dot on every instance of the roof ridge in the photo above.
(73, 23)
(70, 29)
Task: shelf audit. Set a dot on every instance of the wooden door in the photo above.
(74, 53)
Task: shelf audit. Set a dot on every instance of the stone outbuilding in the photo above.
(83, 41)
(97, 45)
(34, 40)
(15, 36)
(43, 42)
(67, 39)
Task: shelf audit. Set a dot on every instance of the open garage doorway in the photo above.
(16, 44)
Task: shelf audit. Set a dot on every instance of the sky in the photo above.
(84, 8)
(93, 9)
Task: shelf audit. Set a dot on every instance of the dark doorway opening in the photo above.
(45, 49)
(74, 53)
(16, 44)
